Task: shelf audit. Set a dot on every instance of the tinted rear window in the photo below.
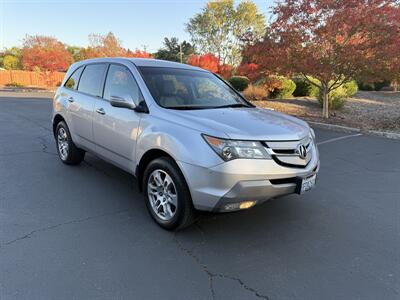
(92, 79)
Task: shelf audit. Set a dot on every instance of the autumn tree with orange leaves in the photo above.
(211, 63)
(334, 41)
(45, 54)
(110, 46)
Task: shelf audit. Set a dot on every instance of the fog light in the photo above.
(239, 205)
(247, 204)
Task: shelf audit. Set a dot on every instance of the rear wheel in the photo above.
(167, 196)
(67, 151)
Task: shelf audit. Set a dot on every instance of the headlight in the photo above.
(232, 149)
(312, 133)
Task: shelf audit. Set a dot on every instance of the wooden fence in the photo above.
(28, 78)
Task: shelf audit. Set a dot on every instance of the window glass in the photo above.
(121, 83)
(72, 82)
(92, 79)
(188, 89)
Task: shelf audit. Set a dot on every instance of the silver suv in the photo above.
(190, 139)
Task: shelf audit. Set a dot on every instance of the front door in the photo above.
(115, 129)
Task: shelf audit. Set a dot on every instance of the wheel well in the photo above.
(57, 119)
(145, 160)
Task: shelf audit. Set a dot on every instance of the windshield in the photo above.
(189, 89)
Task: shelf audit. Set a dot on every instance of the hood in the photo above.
(243, 123)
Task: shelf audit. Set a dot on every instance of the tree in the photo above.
(10, 58)
(175, 51)
(206, 61)
(104, 46)
(44, 53)
(250, 70)
(11, 62)
(110, 46)
(334, 41)
(138, 54)
(78, 53)
(211, 63)
(222, 29)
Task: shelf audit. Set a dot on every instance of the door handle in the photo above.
(71, 99)
(101, 111)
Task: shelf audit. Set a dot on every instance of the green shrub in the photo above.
(351, 88)
(14, 84)
(240, 83)
(366, 86)
(381, 84)
(314, 90)
(286, 88)
(336, 98)
(304, 87)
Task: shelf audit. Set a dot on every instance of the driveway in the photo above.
(83, 232)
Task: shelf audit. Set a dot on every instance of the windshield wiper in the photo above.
(187, 107)
(233, 105)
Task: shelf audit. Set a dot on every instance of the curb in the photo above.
(25, 90)
(389, 135)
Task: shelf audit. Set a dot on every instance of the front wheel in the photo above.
(166, 194)
(67, 151)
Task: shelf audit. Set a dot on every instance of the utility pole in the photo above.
(180, 52)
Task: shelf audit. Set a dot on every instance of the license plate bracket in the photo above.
(304, 184)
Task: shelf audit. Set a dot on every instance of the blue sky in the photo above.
(138, 23)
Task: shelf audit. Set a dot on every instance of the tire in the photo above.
(184, 213)
(67, 151)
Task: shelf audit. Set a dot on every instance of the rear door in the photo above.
(115, 128)
(83, 101)
(69, 94)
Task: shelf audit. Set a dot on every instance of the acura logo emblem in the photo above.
(301, 150)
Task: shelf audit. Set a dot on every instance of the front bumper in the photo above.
(240, 180)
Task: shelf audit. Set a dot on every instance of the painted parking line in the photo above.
(339, 138)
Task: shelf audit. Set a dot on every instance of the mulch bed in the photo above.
(366, 110)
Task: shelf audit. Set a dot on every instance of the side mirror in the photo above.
(123, 102)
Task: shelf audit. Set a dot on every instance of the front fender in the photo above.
(181, 143)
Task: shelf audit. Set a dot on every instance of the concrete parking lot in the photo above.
(84, 233)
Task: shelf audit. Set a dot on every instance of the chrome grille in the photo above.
(286, 152)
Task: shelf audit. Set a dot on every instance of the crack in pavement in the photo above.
(43, 143)
(211, 275)
(28, 235)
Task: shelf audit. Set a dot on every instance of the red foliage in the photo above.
(138, 53)
(211, 63)
(45, 53)
(330, 40)
(225, 71)
(250, 70)
(206, 61)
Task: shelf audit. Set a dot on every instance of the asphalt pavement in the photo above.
(84, 233)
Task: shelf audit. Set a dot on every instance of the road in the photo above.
(83, 232)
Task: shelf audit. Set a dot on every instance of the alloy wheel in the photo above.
(162, 195)
(62, 142)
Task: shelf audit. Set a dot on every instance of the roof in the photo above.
(143, 62)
